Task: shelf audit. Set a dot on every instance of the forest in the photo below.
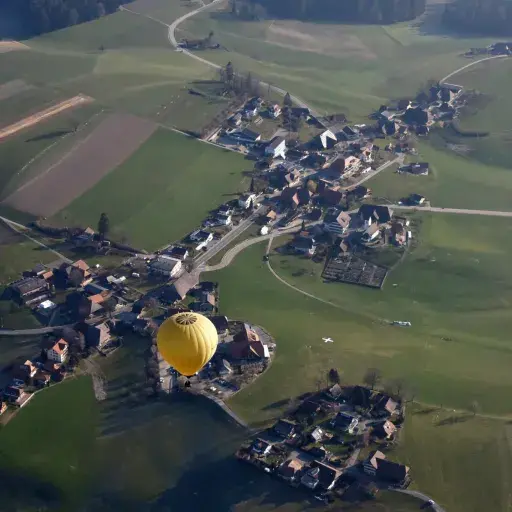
(348, 11)
(493, 17)
(25, 18)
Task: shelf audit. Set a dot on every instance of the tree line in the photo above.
(489, 16)
(40, 16)
(358, 11)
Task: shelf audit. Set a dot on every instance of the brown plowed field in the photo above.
(44, 114)
(110, 144)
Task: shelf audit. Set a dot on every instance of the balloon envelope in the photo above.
(187, 341)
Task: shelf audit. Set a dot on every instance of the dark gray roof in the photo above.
(381, 214)
(275, 142)
(163, 263)
(29, 285)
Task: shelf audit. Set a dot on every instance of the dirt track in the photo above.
(90, 159)
(44, 114)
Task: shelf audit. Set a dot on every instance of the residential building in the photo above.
(274, 111)
(236, 119)
(291, 469)
(415, 200)
(246, 136)
(46, 308)
(166, 266)
(358, 193)
(346, 422)
(385, 404)
(385, 430)
(96, 336)
(225, 209)
(418, 169)
(59, 352)
(80, 268)
(246, 200)
(336, 391)
(370, 214)
(317, 435)
(289, 197)
(326, 140)
(200, 236)
(320, 475)
(276, 148)
(3, 407)
(349, 133)
(371, 233)
(14, 393)
(398, 233)
(178, 253)
(261, 447)
(337, 223)
(178, 290)
(80, 306)
(25, 371)
(223, 220)
(30, 290)
(42, 378)
(270, 217)
(221, 323)
(304, 245)
(331, 196)
(285, 429)
(391, 472)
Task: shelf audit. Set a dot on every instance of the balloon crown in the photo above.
(185, 319)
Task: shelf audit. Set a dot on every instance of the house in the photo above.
(392, 472)
(320, 475)
(285, 429)
(225, 209)
(246, 200)
(417, 169)
(358, 193)
(398, 233)
(361, 396)
(25, 371)
(370, 214)
(96, 336)
(42, 378)
(249, 350)
(30, 290)
(288, 179)
(289, 197)
(223, 220)
(81, 307)
(314, 161)
(59, 352)
(220, 323)
(246, 136)
(276, 148)
(200, 236)
(3, 407)
(308, 409)
(371, 233)
(326, 140)
(224, 367)
(345, 421)
(14, 393)
(274, 111)
(317, 435)
(166, 266)
(319, 452)
(337, 223)
(261, 447)
(331, 196)
(385, 405)
(178, 290)
(291, 469)
(80, 268)
(46, 308)
(269, 217)
(236, 119)
(415, 200)
(385, 430)
(335, 392)
(250, 111)
(304, 245)
(416, 116)
(178, 253)
(206, 303)
(349, 133)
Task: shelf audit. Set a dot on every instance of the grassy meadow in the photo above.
(163, 191)
(454, 181)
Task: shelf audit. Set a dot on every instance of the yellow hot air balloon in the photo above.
(187, 341)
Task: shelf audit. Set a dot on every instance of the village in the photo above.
(335, 443)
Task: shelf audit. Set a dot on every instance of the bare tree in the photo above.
(372, 377)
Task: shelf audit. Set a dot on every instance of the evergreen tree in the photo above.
(103, 225)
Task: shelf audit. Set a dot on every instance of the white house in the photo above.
(371, 233)
(200, 236)
(223, 220)
(46, 307)
(327, 139)
(166, 265)
(337, 224)
(245, 200)
(276, 148)
(274, 111)
(59, 352)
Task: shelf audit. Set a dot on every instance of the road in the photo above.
(460, 211)
(421, 496)
(171, 35)
(474, 63)
(398, 160)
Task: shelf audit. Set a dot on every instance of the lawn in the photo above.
(454, 181)
(163, 191)
(338, 68)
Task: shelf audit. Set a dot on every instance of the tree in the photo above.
(209, 39)
(312, 186)
(334, 376)
(251, 188)
(248, 83)
(109, 306)
(287, 101)
(230, 72)
(103, 225)
(75, 277)
(372, 377)
(474, 407)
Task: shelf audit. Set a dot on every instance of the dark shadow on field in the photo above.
(218, 485)
(452, 420)
(426, 410)
(49, 135)
(19, 491)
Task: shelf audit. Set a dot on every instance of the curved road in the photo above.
(421, 496)
(460, 211)
(453, 73)
(171, 35)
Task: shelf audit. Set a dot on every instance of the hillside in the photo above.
(483, 17)
(352, 11)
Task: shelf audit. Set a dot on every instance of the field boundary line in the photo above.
(474, 63)
(36, 118)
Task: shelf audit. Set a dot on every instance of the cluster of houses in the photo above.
(500, 48)
(317, 445)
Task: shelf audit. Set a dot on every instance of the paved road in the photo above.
(398, 160)
(460, 211)
(420, 496)
(29, 332)
(453, 73)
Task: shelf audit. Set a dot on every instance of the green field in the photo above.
(339, 68)
(163, 191)
(454, 181)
